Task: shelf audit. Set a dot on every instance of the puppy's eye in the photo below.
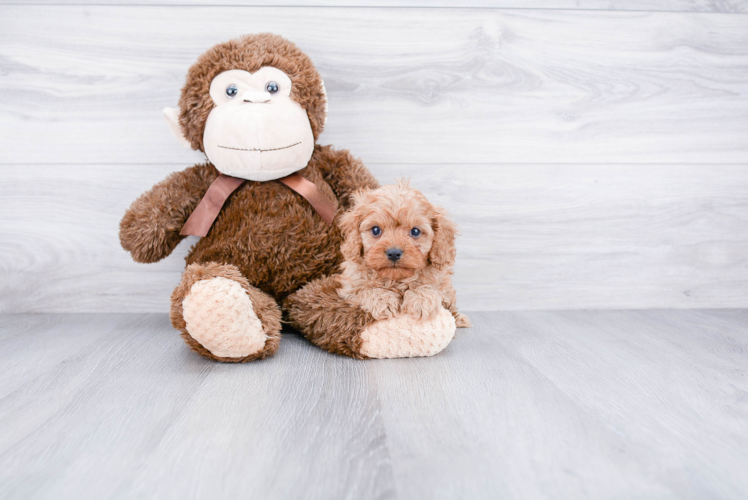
(272, 87)
(415, 232)
(231, 91)
(376, 231)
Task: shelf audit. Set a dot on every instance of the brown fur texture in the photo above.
(264, 306)
(150, 228)
(274, 236)
(265, 232)
(326, 319)
(332, 312)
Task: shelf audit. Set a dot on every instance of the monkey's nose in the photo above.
(255, 96)
(394, 254)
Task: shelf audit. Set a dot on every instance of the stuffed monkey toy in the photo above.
(266, 203)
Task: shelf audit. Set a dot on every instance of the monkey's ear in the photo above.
(172, 118)
(324, 93)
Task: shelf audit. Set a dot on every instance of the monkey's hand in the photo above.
(150, 228)
(423, 303)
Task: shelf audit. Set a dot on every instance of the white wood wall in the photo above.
(595, 153)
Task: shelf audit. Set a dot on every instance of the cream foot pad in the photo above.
(405, 337)
(219, 315)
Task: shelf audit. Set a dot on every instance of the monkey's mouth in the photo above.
(258, 149)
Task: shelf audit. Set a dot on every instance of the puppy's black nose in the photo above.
(394, 254)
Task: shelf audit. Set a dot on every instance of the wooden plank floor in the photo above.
(574, 404)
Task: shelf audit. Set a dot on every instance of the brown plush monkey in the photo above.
(267, 205)
(255, 106)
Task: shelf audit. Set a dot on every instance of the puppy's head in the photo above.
(395, 231)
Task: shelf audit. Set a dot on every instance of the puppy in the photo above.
(399, 251)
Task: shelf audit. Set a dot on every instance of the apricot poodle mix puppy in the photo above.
(399, 252)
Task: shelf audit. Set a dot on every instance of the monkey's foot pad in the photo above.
(219, 315)
(405, 337)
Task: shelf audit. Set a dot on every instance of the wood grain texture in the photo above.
(594, 159)
(533, 236)
(405, 85)
(731, 6)
(576, 404)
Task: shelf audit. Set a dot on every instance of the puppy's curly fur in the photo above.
(398, 219)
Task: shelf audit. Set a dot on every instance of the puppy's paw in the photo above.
(422, 303)
(382, 304)
(462, 321)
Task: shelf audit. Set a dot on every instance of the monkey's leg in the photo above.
(328, 321)
(223, 317)
(333, 324)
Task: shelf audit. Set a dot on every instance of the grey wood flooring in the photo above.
(575, 404)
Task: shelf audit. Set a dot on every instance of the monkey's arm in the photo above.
(150, 228)
(344, 173)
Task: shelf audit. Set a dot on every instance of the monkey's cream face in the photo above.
(256, 130)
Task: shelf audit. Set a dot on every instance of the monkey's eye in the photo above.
(272, 87)
(376, 231)
(415, 232)
(231, 91)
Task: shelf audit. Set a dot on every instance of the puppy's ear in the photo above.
(442, 253)
(353, 246)
(359, 196)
